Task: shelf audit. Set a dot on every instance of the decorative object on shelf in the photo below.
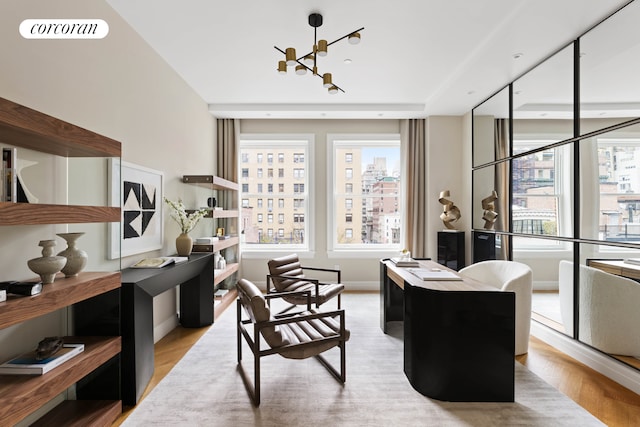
(76, 258)
(489, 215)
(139, 191)
(450, 213)
(309, 61)
(211, 202)
(20, 288)
(47, 265)
(48, 347)
(184, 242)
(220, 232)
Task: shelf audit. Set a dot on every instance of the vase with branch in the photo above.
(187, 222)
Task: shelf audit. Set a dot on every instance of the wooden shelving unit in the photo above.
(219, 184)
(22, 395)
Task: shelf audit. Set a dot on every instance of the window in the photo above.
(538, 205)
(245, 173)
(245, 188)
(292, 202)
(259, 189)
(619, 189)
(366, 184)
(245, 158)
(245, 203)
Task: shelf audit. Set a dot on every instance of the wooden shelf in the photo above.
(211, 181)
(218, 246)
(20, 395)
(220, 275)
(21, 126)
(81, 413)
(219, 213)
(59, 294)
(35, 214)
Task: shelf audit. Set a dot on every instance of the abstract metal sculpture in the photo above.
(450, 213)
(489, 215)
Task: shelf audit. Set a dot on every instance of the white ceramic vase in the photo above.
(76, 258)
(47, 265)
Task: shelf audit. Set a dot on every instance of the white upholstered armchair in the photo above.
(609, 316)
(509, 276)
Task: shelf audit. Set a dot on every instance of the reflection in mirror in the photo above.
(545, 302)
(542, 192)
(484, 184)
(491, 129)
(610, 177)
(609, 300)
(609, 70)
(543, 100)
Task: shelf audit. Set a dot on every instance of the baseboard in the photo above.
(164, 328)
(617, 371)
(542, 285)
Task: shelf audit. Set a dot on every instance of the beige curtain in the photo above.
(414, 150)
(501, 136)
(227, 149)
(228, 137)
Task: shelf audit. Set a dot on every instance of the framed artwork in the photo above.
(139, 191)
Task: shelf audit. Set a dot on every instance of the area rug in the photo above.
(206, 389)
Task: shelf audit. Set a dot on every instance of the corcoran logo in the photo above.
(64, 29)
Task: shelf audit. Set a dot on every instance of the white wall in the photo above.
(118, 87)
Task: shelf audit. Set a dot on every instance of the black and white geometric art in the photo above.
(140, 197)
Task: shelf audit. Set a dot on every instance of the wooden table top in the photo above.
(401, 274)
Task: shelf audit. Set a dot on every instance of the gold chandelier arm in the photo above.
(345, 36)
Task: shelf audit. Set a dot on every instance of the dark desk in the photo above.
(139, 286)
(459, 336)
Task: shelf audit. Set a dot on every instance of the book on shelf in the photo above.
(434, 274)
(405, 262)
(28, 364)
(159, 262)
(634, 261)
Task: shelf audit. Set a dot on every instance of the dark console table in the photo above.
(139, 286)
(459, 336)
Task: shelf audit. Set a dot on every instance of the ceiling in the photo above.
(417, 58)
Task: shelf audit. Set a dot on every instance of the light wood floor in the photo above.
(613, 404)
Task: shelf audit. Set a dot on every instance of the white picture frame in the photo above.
(138, 190)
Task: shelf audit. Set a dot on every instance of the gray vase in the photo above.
(47, 265)
(76, 258)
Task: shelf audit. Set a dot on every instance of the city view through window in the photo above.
(275, 194)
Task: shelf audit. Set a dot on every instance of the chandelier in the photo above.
(309, 61)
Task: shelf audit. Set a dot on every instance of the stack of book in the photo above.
(405, 262)
(28, 364)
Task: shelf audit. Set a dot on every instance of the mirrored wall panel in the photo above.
(542, 202)
(610, 186)
(491, 129)
(609, 300)
(543, 100)
(610, 71)
(545, 265)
